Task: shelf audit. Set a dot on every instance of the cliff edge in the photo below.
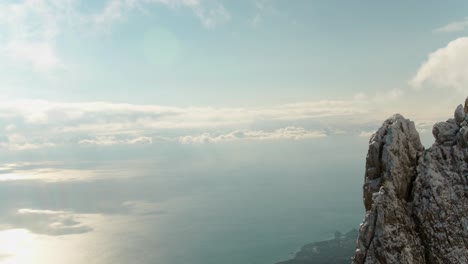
(416, 199)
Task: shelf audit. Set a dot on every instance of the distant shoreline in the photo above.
(338, 250)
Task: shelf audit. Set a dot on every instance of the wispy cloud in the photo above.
(446, 67)
(33, 112)
(453, 26)
(211, 18)
(113, 140)
(41, 55)
(20, 142)
(210, 13)
(114, 11)
(287, 133)
(261, 7)
(31, 28)
(380, 96)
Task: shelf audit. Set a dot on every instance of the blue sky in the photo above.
(196, 69)
(231, 53)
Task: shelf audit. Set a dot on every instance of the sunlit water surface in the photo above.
(230, 204)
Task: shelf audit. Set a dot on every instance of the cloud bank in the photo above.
(287, 133)
(446, 67)
(37, 124)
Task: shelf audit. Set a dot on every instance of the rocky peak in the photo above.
(416, 200)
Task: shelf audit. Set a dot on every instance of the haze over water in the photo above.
(256, 206)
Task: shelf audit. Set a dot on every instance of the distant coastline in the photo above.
(336, 251)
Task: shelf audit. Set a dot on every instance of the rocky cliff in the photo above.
(416, 200)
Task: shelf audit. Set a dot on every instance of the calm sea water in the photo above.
(240, 203)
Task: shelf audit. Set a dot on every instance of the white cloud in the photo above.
(39, 123)
(20, 142)
(36, 118)
(447, 67)
(29, 31)
(111, 13)
(212, 17)
(366, 134)
(287, 133)
(453, 26)
(360, 96)
(113, 140)
(42, 56)
(10, 128)
(108, 118)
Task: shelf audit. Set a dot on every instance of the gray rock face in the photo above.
(416, 200)
(466, 105)
(459, 114)
(445, 132)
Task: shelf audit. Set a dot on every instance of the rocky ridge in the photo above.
(416, 199)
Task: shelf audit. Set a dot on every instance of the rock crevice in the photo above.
(416, 200)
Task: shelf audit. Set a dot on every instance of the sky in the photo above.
(102, 99)
(92, 72)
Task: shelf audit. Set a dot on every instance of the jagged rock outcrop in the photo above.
(416, 200)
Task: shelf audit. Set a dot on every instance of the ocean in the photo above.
(230, 203)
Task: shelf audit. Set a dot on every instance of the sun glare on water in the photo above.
(17, 246)
(21, 246)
